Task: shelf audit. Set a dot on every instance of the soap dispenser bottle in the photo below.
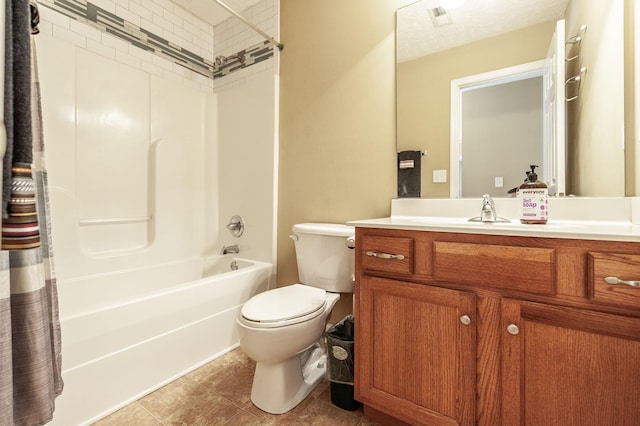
(533, 199)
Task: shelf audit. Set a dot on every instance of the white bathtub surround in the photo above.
(134, 193)
(610, 218)
(247, 170)
(135, 338)
(160, 176)
(145, 171)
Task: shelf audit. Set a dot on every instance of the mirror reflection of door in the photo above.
(505, 120)
(501, 135)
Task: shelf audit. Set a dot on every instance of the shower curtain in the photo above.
(30, 356)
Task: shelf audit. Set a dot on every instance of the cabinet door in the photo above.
(565, 366)
(415, 351)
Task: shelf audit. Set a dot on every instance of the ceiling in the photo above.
(211, 12)
(474, 20)
(417, 36)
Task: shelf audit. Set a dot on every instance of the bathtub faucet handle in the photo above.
(236, 226)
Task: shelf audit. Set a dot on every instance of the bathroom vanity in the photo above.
(490, 324)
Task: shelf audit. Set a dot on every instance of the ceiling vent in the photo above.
(440, 17)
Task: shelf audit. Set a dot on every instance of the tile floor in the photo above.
(218, 393)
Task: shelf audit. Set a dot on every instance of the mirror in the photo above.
(436, 46)
(492, 118)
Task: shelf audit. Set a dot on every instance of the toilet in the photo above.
(283, 329)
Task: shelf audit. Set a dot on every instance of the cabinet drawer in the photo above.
(623, 266)
(506, 267)
(387, 254)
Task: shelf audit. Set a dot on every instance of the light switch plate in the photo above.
(439, 176)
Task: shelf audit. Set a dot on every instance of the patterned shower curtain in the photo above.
(30, 355)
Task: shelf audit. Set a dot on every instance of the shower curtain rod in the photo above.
(273, 41)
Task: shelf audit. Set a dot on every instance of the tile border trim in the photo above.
(105, 21)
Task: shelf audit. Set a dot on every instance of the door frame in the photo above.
(477, 81)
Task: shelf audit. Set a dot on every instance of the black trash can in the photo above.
(340, 355)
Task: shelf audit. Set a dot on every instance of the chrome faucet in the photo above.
(236, 226)
(234, 249)
(488, 213)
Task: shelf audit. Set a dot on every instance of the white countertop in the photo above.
(597, 218)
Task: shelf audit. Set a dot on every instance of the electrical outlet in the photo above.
(499, 182)
(439, 176)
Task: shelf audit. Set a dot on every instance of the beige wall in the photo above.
(595, 134)
(337, 111)
(631, 99)
(424, 87)
(337, 117)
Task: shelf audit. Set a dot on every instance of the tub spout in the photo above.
(234, 249)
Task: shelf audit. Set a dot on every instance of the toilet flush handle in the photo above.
(294, 237)
(351, 242)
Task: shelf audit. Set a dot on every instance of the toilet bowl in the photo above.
(283, 329)
(289, 352)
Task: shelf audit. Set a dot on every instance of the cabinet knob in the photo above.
(465, 320)
(513, 329)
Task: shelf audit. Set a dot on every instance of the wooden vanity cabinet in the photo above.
(564, 366)
(409, 329)
(464, 329)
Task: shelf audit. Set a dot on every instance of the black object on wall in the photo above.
(409, 174)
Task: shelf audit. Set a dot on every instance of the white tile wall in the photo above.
(234, 35)
(167, 20)
(160, 17)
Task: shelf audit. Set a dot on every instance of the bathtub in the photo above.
(127, 333)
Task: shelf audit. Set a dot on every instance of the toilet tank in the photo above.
(324, 260)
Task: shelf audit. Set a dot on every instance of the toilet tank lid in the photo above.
(333, 229)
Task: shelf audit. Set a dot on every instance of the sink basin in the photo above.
(578, 218)
(498, 220)
(459, 222)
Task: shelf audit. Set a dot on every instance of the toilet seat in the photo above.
(284, 306)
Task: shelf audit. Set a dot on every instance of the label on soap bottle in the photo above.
(533, 204)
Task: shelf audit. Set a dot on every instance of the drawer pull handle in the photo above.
(616, 280)
(385, 255)
(465, 320)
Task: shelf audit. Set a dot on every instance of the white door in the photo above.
(554, 106)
